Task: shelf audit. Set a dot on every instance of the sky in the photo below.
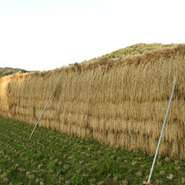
(48, 34)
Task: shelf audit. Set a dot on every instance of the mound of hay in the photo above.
(118, 99)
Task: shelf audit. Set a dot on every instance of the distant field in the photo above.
(53, 158)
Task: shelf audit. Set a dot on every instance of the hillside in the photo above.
(7, 71)
(124, 53)
(131, 51)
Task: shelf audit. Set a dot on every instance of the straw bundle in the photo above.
(119, 100)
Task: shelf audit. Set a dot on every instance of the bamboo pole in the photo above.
(44, 109)
(41, 114)
(162, 131)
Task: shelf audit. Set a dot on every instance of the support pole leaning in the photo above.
(40, 117)
(52, 96)
(162, 131)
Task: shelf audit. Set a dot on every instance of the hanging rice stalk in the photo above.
(118, 99)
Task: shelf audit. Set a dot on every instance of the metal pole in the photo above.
(162, 130)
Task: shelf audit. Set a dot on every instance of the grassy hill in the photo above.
(130, 51)
(7, 71)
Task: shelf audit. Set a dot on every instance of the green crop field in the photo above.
(54, 158)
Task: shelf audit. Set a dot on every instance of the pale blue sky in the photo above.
(45, 34)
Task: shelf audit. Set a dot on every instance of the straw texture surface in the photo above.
(118, 99)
